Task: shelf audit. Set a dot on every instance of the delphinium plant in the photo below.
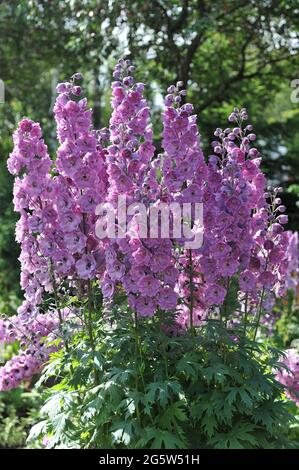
(151, 340)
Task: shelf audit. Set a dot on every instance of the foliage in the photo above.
(19, 410)
(161, 391)
(287, 326)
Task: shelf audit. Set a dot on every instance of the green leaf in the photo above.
(173, 414)
(189, 366)
(245, 397)
(37, 430)
(209, 424)
(216, 373)
(232, 396)
(52, 405)
(156, 438)
(122, 432)
(160, 391)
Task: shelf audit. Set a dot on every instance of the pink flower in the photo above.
(160, 262)
(63, 261)
(233, 204)
(145, 306)
(267, 279)
(167, 299)
(117, 270)
(69, 221)
(148, 285)
(86, 266)
(215, 294)
(107, 286)
(170, 275)
(290, 377)
(75, 241)
(228, 266)
(247, 281)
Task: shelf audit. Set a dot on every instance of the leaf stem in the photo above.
(191, 304)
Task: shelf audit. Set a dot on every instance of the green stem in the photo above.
(57, 303)
(259, 313)
(225, 302)
(246, 314)
(191, 306)
(136, 335)
(90, 328)
(164, 354)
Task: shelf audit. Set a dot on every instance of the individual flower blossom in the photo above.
(107, 286)
(167, 299)
(148, 285)
(86, 266)
(145, 306)
(289, 377)
(69, 221)
(267, 279)
(63, 261)
(117, 271)
(247, 281)
(229, 266)
(75, 241)
(215, 294)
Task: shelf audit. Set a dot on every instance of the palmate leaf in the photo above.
(93, 407)
(204, 405)
(167, 440)
(50, 370)
(141, 399)
(189, 366)
(53, 405)
(122, 432)
(127, 407)
(232, 396)
(197, 411)
(269, 413)
(121, 376)
(37, 430)
(221, 408)
(241, 436)
(114, 390)
(173, 414)
(161, 391)
(81, 375)
(245, 397)
(156, 438)
(217, 373)
(225, 443)
(103, 417)
(59, 423)
(209, 424)
(263, 416)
